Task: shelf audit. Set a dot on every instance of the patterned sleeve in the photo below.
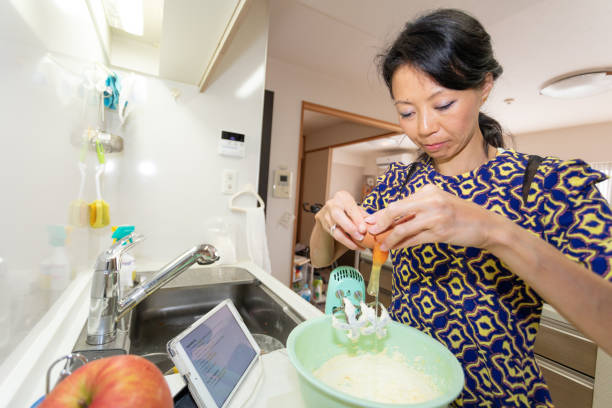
(385, 185)
(574, 215)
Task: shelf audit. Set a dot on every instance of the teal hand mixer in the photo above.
(346, 294)
(344, 281)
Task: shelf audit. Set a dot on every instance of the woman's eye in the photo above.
(445, 107)
(406, 115)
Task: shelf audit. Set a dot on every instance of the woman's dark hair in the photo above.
(454, 49)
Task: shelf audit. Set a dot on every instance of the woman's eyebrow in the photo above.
(407, 102)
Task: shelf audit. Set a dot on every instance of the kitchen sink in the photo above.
(164, 314)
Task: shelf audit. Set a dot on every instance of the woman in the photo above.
(472, 259)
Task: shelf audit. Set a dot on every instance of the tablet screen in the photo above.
(220, 352)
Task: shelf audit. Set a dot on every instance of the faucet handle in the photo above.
(124, 244)
(111, 258)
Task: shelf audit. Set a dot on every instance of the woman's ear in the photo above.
(487, 86)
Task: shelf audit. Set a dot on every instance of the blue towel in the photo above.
(111, 95)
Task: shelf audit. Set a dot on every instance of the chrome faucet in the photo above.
(107, 307)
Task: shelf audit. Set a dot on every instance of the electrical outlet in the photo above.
(229, 181)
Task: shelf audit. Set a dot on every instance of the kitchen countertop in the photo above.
(23, 379)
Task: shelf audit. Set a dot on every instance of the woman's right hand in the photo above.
(343, 212)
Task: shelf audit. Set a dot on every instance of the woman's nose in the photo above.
(427, 124)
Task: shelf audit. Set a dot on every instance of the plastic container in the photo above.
(317, 288)
(55, 270)
(315, 341)
(220, 233)
(306, 293)
(128, 263)
(126, 274)
(5, 306)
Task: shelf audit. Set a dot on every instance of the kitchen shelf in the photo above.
(319, 301)
(299, 260)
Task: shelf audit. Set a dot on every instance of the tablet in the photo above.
(214, 355)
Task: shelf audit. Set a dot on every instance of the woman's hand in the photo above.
(433, 215)
(343, 219)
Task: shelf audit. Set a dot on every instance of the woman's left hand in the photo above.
(433, 215)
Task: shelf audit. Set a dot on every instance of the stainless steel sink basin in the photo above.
(170, 310)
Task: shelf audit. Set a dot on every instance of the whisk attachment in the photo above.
(353, 325)
(378, 324)
(362, 321)
(346, 296)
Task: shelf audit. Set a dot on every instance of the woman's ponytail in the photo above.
(492, 131)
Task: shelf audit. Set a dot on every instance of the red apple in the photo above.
(125, 381)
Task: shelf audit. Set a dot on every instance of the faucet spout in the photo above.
(106, 308)
(202, 254)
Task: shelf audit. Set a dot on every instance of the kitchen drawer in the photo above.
(563, 344)
(386, 274)
(568, 388)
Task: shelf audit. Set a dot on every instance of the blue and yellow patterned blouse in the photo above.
(467, 298)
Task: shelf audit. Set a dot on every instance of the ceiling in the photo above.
(152, 15)
(315, 121)
(534, 40)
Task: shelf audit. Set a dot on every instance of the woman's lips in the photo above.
(434, 146)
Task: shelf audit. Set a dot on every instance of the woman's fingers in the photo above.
(431, 215)
(357, 215)
(408, 230)
(342, 237)
(396, 213)
(421, 238)
(341, 219)
(338, 233)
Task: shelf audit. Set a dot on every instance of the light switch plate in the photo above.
(283, 183)
(229, 181)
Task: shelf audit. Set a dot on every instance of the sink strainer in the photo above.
(267, 343)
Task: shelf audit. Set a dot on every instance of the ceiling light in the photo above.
(579, 86)
(126, 15)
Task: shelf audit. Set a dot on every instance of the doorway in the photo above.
(339, 151)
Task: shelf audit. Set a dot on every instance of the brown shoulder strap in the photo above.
(530, 171)
(411, 171)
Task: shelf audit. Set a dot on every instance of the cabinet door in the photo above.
(566, 346)
(568, 388)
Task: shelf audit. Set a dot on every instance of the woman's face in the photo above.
(442, 122)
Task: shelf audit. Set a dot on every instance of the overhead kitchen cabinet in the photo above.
(176, 40)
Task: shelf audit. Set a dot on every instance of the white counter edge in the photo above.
(24, 371)
(51, 338)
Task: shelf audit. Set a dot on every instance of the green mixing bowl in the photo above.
(315, 341)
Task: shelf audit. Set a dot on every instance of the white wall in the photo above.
(291, 85)
(592, 143)
(346, 177)
(42, 109)
(347, 172)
